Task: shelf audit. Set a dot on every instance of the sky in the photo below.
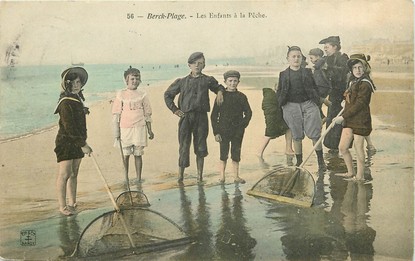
(105, 32)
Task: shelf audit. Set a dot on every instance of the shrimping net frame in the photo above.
(291, 185)
(149, 231)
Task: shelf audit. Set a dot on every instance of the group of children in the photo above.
(334, 78)
(230, 116)
(294, 110)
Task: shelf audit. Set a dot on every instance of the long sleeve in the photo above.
(337, 70)
(361, 101)
(116, 125)
(311, 87)
(214, 119)
(282, 89)
(214, 86)
(116, 115)
(147, 109)
(247, 112)
(170, 94)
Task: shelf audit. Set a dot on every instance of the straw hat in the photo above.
(81, 72)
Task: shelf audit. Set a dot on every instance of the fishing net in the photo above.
(286, 184)
(130, 199)
(130, 231)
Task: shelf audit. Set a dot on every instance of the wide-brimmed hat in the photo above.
(331, 39)
(81, 72)
(359, 57)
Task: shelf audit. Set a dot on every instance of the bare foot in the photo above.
(65, 211)
(289, 152)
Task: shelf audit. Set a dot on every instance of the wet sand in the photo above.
(348, 219)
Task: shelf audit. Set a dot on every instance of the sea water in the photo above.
(29, 94)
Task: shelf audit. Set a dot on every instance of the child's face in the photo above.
(295, 58)
(358, 70)
(197, 66)
(76, 85)
(133, 81)
(231, 83)
(314, 58)
(330, 49)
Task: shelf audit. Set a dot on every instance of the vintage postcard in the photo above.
(217, 106)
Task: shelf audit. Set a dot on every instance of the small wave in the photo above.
(25, 135)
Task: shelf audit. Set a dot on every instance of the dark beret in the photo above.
(331, 39)
(194, 56)
(316, 52)
(231, 73)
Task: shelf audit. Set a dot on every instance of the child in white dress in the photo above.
(132, 119)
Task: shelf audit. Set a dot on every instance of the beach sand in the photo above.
(28, 165)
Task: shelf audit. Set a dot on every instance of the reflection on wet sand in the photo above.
(320, 195)
(68, 232)
(340, 233)
(359, 236)
(233, 241)
(197, 225)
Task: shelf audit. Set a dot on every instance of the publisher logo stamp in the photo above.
(28, 237)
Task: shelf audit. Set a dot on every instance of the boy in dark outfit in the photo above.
(337, 74)
(193, 106)
(319, 69)
(229, 121)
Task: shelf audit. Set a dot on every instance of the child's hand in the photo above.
(218, 138)
(86, 149)
(219, 98)
(179, 113)
(150, 135)
(327, 102)
(338, 120)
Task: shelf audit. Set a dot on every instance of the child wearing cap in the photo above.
(71, 138)
(319, 69)
(132, 120)
(192, 108)
(297, 95)
(229, 121)
(356, 118)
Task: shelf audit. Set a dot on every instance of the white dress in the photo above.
(134, 109)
